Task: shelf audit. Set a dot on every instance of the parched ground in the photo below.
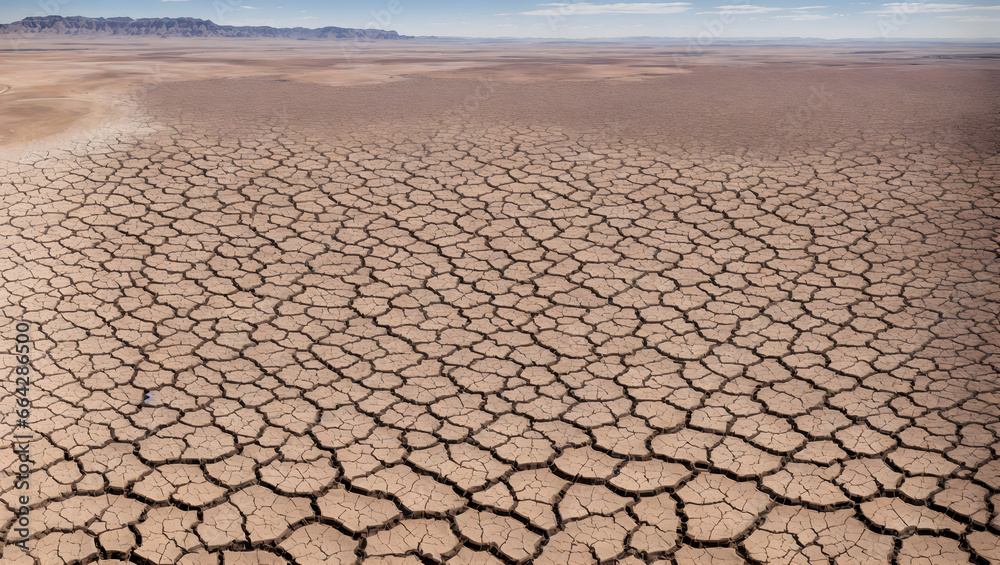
(728, 316)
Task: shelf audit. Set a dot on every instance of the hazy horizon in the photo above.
(778, 19)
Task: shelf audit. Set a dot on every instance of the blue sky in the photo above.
(693, 18)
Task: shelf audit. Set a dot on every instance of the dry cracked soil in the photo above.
(744, 313)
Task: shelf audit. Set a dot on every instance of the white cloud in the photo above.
(249, 7)
(972, 19)
(809, 8)
(927, 8)
(805, 17)
(589, 9)
(748, 9)
(742, 9)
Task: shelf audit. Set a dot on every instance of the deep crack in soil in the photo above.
(282, 323)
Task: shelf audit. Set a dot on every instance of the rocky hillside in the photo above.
(180, 27)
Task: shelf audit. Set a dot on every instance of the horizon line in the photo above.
(505, 37)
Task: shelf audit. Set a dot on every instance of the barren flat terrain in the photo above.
(482, 303)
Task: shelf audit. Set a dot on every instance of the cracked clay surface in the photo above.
(280, 338)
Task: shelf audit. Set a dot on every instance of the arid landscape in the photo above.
(494, 302)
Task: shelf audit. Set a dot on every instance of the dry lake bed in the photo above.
(427, 301)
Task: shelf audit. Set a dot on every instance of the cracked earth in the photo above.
(504, 341)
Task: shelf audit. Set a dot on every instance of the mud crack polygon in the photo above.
(510, 345)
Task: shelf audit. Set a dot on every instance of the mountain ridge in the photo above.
(180, 27)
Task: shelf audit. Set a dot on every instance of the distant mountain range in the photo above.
(180, 27)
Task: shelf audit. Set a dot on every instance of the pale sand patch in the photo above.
(88, 70)
(23, 120)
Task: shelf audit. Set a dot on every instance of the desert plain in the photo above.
(487, 302)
